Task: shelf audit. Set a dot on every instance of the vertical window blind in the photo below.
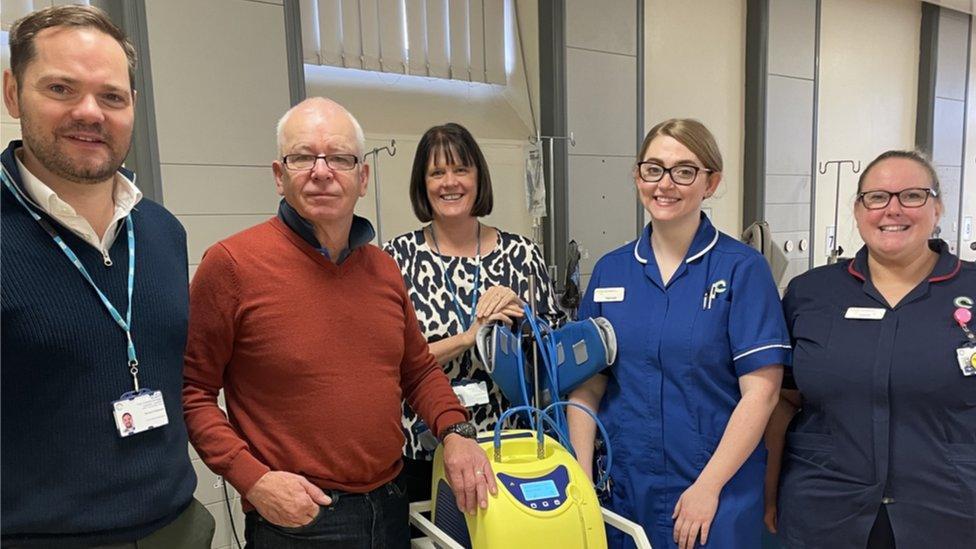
(454, 39)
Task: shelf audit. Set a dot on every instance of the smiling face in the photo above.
(665, 201)
(75, 105)
(896, 232)
(452, 187)
(322, 195)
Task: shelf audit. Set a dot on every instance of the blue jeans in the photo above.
(374, 520)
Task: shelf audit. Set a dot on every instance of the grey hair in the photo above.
(360, 136)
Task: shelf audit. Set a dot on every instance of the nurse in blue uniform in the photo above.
(701, 343)
(882, 452)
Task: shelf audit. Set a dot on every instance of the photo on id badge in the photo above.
(141, 412)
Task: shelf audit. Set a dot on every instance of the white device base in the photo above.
(437, 538)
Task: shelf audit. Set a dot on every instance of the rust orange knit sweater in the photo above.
(314, 359)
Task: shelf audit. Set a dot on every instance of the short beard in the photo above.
(52, 157)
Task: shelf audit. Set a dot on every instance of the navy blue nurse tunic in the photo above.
(672, 389)
(888, 417)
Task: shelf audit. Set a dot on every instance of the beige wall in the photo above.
(868, 93)
(700, 75)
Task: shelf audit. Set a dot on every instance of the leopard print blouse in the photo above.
(513, 260)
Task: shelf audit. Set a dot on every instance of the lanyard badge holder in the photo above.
(966, 355)
(140, 409)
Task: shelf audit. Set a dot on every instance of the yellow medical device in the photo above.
(541, 502)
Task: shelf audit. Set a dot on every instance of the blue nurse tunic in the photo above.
(888, 417)
(671, 391)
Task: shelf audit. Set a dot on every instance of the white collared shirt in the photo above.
(125, 194)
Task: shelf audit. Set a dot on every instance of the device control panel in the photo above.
(543, 493)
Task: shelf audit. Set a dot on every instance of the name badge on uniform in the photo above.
(865, 313)
(967, 360)
(139, 411)
(471, 393)
(608, 295)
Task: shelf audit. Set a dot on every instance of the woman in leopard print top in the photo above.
(460, 274)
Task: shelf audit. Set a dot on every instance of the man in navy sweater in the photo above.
(94, 307)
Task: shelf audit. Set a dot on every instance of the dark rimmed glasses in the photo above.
(682, 174)
(304, 162)
(908, 198)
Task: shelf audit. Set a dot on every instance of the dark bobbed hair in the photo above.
(452, 144)
(25, 30)
(916, 156)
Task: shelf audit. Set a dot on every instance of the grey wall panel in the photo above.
(948, 137)
(789, 126)
(600, 186)
(788, 217)
(601, 115)
(787, 189)
(219, 189)
(795, 268)
(784, 240)
(245, 53)
(950, 180)
(950, 80)
(607, 25)
(792, 37)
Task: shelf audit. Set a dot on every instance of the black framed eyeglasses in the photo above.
(908, 198)
(682, 174)
(303, 162)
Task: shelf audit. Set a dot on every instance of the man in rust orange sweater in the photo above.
(311, 334)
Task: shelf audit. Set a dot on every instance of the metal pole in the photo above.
(541, 450)
(376, 192)
(552, 209)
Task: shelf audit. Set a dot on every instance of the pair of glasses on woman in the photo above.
(304, 162)
(682, 174)
(908, 198)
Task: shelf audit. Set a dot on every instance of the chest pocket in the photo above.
(710, 336)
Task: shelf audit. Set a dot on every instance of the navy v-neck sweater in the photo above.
(68, 478)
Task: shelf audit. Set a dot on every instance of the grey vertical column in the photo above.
(143, 158)
(604, 112)
(781, 105)
(940, 128)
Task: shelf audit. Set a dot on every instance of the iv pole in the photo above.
(391, 150)
(552, 194)
(822, 167)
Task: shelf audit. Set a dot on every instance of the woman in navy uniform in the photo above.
(701, 343)
(882, 452)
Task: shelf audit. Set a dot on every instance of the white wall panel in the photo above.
(203, 231)
(219, 189)
(951, 76)
(607, 26)
(602, 120)
(792, 38)
(219, 80)
(602, 201)
(789, 126)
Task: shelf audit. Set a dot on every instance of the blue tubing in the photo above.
(601, 484)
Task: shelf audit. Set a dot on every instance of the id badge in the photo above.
(967, 360)
(136, 412)
(471, 393)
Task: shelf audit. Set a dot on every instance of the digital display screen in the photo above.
(544, 489)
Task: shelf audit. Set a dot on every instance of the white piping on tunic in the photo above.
(711, 245)
(763, 348)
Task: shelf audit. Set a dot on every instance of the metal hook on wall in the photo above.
(390, 150)
(822, 167)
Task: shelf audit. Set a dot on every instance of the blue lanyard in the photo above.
(126, 323)
(465, 322)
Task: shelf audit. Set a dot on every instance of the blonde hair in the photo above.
(690, 133)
